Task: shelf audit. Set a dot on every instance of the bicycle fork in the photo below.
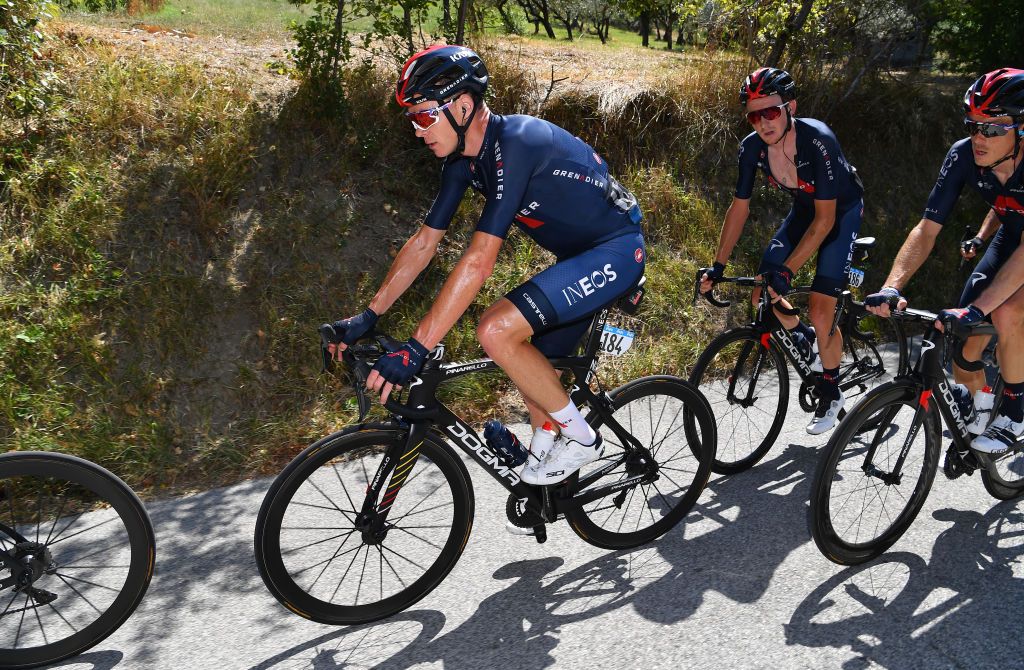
(398, 462)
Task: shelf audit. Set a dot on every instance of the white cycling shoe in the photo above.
(826, 415)
(1000, 436)
(564, 458)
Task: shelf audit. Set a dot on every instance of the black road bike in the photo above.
(369, 520)
(877, 469)
(743, 371)
(77, 553)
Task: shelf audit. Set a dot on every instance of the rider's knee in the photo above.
(1009, 316)
(490, 332)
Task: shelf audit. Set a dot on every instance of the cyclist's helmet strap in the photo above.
(999, 93)
(767, 81)
(440, 73)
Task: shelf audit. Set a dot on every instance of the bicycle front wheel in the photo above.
(744, 377)
(863, 498)
(319, 560)
(674, 425)
(76, 556)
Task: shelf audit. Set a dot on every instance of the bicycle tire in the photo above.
(87, 492)
(711, 374)
(344, 449)
(1001, 487)
(852, 439)
(673, 407)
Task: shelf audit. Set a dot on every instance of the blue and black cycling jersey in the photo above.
(1006, 200)
(822, 171)
(552, 185)
(958, 169)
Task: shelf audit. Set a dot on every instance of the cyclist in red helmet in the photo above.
(802, 157)
(557, 190)
(991, 159)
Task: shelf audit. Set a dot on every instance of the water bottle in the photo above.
(984, 400)
(505, 443)
(965, 404)
(543, 439)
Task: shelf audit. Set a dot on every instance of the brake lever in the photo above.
(361, 371)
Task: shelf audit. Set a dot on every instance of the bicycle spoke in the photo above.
(313, 544)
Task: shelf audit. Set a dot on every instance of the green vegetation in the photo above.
(168, 247)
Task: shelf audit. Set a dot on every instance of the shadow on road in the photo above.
(93, 660)
(516, 627)
(752, 522)
(960, 610)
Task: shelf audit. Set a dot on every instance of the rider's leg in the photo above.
(1008, 426)
(1009, 322)
(822, 313)
(972, 351)
(504, 334)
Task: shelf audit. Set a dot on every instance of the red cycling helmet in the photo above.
(440, 73)
(998, 93)
(768, 81)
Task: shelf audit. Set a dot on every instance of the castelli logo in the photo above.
(639, 255)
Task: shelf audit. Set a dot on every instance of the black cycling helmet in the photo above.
(998, 93)
(440, 73)
(767, 81)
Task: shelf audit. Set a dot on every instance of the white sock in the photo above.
(573, 425)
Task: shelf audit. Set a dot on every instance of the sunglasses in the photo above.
(987, 129)
(768, 113)
(425, 118)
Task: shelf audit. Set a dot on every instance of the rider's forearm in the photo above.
(912, 255)
(457, 294)
(1008, 281)
(413, 258)
(819, 229)
(989, 226)
(735, 219)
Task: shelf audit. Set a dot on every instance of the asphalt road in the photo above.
(738, 585)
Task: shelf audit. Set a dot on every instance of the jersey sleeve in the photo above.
(520, 157)
(826, 164)
(953, 174)
(747, 161)
(455, 179)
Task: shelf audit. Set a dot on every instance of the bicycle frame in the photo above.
(429, 414)
(932, 385)
(768, 327)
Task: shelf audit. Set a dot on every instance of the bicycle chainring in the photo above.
(519, 515)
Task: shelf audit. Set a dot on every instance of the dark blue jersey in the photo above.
(534, 174)
(1007, 200)
(822, 170)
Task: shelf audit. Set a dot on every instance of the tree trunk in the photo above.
(460, 32)
(645, 28)
(446, 15)
(407, 28)
(793, 27)
(668, 30)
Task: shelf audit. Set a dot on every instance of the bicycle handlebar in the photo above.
(950, 331)
(356, 358)
(749, 282)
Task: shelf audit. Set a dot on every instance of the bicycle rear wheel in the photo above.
(674, 425)
(746, 380)
(874, 353)
(76, 556)
(1008, 481)
(320, 565)
(860, 503)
